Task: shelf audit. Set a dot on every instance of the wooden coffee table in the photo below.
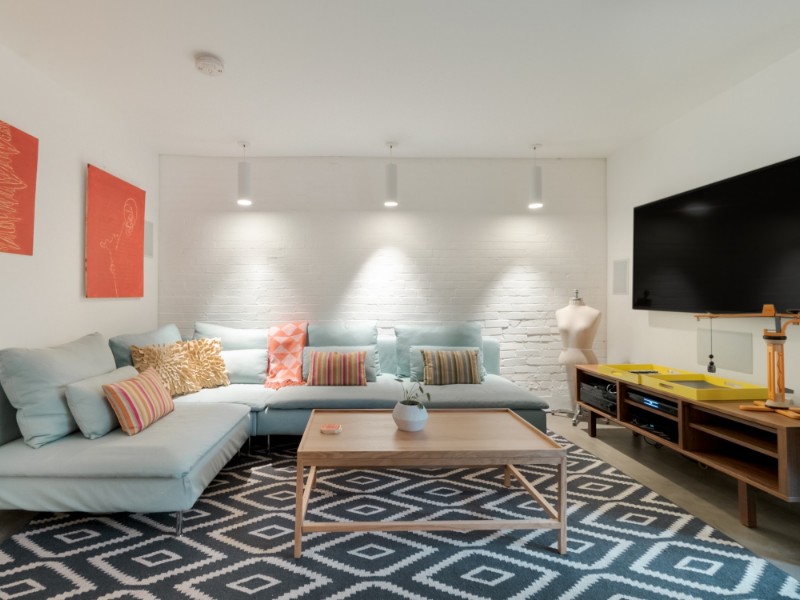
(451, 438)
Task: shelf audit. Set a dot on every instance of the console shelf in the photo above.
(732, 434)
(761, 450)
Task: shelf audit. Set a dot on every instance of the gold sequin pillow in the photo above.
(205, 358)
(171, 362)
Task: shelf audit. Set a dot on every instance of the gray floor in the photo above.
(707, 494)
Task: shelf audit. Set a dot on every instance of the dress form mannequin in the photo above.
(577, 324)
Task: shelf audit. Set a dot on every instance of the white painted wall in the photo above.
(754, 124)
(319, 245)
(42, 298)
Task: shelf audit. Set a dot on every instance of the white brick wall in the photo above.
(480, 256)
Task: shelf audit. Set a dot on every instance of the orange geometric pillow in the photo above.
(140, 401)
(286, 343)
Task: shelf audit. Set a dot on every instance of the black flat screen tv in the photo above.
(728, 247)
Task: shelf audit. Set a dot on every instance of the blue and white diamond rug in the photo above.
(625, 542)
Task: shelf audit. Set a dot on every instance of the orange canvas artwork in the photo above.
(19, 156)
(114, 237)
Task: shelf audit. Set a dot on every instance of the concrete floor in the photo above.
(704, 493)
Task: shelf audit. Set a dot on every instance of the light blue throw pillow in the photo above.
(372, 363)
(34, 380)
(343, 334)
(462, 334)
(418, 368)
(121, 344)
(88, 405)
(246, 366)
(233, 338)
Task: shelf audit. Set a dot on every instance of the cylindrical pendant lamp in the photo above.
(390, 200)
(535, 200)
(244, 195)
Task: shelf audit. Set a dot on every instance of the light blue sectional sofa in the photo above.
(166, 467)
(286, 411)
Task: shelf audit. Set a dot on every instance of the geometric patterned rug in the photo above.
(624, 542)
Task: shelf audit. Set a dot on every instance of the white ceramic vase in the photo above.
(410, 417)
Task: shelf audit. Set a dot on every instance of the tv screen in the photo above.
(730, 246)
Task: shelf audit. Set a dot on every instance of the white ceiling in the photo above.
(458, 78)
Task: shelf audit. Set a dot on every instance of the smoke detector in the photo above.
(209, 64)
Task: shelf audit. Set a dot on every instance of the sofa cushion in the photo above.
(140, 401)
(88, 405)
(121, 344)
(253, 396)
(35, 380)
(205, 360)
(415, 360)
(372, 363)
(246, 366)
(462, 334)
(493, 392)
(343, 334)
(170, 448)
(450, 367)
(383, 393)
(233, 338)
(337, 368)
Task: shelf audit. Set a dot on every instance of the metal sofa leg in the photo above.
(179, 523)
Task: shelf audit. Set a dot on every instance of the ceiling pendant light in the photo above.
(535, 202)
(245, 195)
(391, 180)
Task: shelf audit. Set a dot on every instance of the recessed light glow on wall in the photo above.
(391, 180)
(535, 201)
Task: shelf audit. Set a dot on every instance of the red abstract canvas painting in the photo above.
(19, 156)
(114, 237)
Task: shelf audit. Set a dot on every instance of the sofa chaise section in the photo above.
(165, 468)
(61, 448)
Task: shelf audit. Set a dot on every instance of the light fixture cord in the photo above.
(712, 368)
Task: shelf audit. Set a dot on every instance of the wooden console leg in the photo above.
(747, 505)
(592, 424)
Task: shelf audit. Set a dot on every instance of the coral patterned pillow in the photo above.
(172, 363)
(338, 368)
(140, 401)
(286, 343)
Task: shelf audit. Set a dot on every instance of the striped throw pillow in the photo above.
(140, 401)
(446, 367)
(338, 368)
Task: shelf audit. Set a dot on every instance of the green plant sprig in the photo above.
(414, 395)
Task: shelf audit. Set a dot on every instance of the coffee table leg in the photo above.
(298, 512)
(507, 478)
(562, 506)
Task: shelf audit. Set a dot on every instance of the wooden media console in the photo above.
(761, 450)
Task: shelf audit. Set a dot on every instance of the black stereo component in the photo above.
(660, 404)
(602, 396)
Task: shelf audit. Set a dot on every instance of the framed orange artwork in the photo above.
(114, 237)
(19, 156)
